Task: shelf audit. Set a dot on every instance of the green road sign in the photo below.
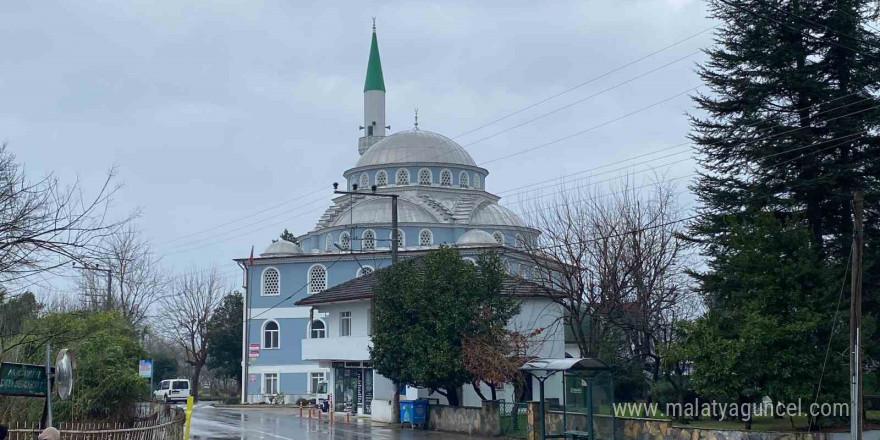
(22, 380)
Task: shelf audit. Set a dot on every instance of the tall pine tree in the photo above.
(790, 130)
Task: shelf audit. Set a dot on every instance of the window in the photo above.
(344, 241)
(270, 383)
(180, 385)
(381, 178)
(520, 242)
(318, 330)
(425, 176)
(314, 380)
(270, 335)
(477, 181)
(446, 178)
(271, 282)
(524, 271)
(506, 263)
(400, 238)
(498, 236)
(368, 240)
(165, 385)
(470, 260)
(365, 181)
(317, 279)
(426, 238)
(463, 179)
(344, 323)
(402, 177)
(328, 243)
(366, 270)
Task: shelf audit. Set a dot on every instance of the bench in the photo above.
(575, 435)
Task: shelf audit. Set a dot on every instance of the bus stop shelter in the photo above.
(582, 374)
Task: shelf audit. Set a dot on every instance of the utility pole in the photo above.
(855, 319)
(108, 302)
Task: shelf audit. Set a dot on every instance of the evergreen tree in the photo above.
(287, 236)
(789, 131)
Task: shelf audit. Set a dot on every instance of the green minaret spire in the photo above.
(375, 81)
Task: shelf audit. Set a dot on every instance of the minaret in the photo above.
(374, 99)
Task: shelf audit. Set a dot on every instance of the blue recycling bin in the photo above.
(414, 412)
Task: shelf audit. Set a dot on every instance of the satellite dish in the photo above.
(64, 365)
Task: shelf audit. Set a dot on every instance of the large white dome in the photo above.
(378, 210)
(416, 146)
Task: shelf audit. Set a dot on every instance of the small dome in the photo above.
(495, 214)
(378, 210)
(476, 237)
(282, 248)
(416, 146)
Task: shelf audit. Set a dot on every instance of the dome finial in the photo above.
(374, 24)
(416, 123)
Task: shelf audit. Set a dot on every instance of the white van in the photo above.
(172, 390)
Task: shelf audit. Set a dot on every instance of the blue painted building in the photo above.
(443, 199)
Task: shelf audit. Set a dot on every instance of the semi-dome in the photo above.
(476, 237)
(378, 210)
(495, 214)
(416, 146)
(282, 248)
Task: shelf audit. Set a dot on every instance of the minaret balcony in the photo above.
(365, 142)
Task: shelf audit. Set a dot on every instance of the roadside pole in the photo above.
(189, 411)
(48, 384)
(855, 320)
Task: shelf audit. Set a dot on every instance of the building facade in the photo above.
(293, 344)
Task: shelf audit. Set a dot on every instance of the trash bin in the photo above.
(414, 412)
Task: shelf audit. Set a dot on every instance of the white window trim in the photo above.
(363, 239)
(431, 233)
(467, 179)
(263, 278)
(430, 177)
(345, 233)
(361, 180)
(402, 238)
(309, 278)
(263, 335)
(323, 373)
(358, 273)
(496, 239)
(383, 172)
(350, 324)
(309, 328)
(397, 174)
(478, 182)
(446, 170)
(277, 382)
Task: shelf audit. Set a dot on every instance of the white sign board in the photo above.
(145, 368)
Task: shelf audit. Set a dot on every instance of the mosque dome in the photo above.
(476, 237)
(378, 210)
(282, 248)
(495, 214)
(418, 146)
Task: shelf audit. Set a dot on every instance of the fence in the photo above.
(514, 419)
(164, 423)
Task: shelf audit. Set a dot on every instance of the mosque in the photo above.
(307, 304)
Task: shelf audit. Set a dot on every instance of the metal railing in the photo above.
(165, 423)
(514, 419)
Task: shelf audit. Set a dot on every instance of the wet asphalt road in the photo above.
(285, 424)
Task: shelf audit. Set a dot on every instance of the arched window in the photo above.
(498, 236)
(402, 177)
(365, 181)
(446, 178)
(271, 333)
(425, 176)
(520, 242)
(426, 238)
(381, 178)
(328, 243)
(317, 279)
(368, 240)
(344, 241)
(271, 282)
(463, 179)
(318, 330)
(470, 260)
(366, 270)
(476, 181)
(401, 239)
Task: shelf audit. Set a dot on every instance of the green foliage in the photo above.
(164, 367)
(425, 307)
(15, 311)
(287, 236)
(224, 337)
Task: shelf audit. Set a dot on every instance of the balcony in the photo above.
(348, 348)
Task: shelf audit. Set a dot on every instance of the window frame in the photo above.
(477, 181)
(345, 317)
(360, 271)
(384, 175)
(344, 246)
(364, 177)
(312, 329)
(430, 176)
(309, 278)
(263, 281)
(430, 237)
(401, 241)
(277, 332)
(466, 182)
(497, 234)
(446, 172)
(328, 242)
(398, 173)
(312, 376)
(364, 240)
(277, 381)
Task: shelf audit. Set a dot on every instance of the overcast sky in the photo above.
(233, 115)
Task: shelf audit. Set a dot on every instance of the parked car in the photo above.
(172, 390)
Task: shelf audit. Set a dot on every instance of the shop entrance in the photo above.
(353, 386)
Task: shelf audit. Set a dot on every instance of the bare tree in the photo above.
(136, 279)
(617, 259)
(44, 226)
(185, 314)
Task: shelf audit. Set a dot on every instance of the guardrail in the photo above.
(166, 423)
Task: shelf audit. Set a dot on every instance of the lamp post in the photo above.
(393, 197)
